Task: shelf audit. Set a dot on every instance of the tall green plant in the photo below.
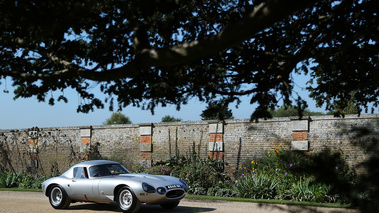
(289, 169)
(260, 186)
(306, 189)
(9, 180)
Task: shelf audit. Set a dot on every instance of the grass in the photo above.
(19, 189)
(283, 202)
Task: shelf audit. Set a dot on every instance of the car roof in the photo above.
(95, 163)
(69, 172)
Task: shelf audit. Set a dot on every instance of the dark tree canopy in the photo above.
(148, 53)
(217, 111)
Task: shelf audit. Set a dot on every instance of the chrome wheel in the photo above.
(125, 199)
(58, 198)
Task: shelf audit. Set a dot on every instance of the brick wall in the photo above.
(234, 141)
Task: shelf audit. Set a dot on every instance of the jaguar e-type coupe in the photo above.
(103, 181)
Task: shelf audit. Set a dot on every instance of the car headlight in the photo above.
(161, 190)
(147, 188)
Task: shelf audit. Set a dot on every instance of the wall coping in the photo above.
(232, 121)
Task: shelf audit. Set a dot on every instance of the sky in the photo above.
(28, 113)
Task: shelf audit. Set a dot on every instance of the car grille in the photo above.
(174, 193)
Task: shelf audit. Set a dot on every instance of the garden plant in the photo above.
(278, 174)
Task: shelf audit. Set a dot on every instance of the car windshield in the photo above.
(105, 170)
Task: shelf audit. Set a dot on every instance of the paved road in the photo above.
(36, 202)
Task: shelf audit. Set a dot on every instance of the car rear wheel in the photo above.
(58, 198)
(170, 205)
(127, 200)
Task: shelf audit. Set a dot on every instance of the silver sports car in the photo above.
(104, 181)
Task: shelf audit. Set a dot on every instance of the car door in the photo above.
(81, 186)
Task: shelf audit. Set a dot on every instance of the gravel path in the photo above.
(36, 202)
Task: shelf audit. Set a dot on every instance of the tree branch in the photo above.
(263, 16)
(260, 18)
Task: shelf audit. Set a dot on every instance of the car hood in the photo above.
(149, 177)
(154, 180)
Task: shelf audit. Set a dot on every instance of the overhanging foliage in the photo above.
(150, 53)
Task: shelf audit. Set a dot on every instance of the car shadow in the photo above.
(181, 209)
(144, 208)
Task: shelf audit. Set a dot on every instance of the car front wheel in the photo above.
(58, 198)
(127, 201)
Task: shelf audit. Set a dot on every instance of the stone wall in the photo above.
(46, 150)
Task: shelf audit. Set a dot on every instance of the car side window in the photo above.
(99, 171)
(80, 173)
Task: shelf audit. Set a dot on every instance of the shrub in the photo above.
(306, 189)
(329, 178)
(198, 190)
(219, 191)
(158, 170)
(260, 186)
(199, 174)
(9, 180)
(222, 192)
(38, 181)
(279, 174)
(23, 181)
(26, 182)
(140, 168)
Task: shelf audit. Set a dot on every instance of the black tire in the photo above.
(127, 201)
(170, 205)
(58, 198)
